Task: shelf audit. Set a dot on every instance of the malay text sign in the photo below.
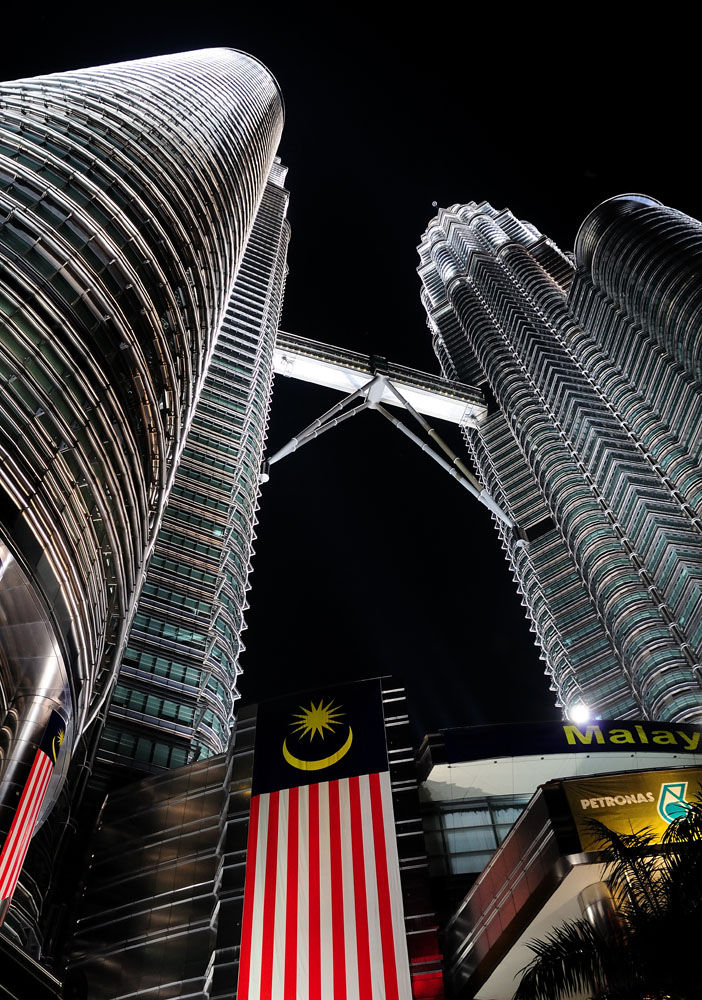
(602, 736)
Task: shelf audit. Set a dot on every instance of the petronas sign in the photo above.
(629, 802)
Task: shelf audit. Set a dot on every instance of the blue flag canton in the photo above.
(321, 735)
(54, 735)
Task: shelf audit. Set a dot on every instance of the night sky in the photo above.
(370, 559)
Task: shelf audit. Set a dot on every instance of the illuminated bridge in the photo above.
(373, 382)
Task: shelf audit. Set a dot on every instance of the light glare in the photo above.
(579, 714)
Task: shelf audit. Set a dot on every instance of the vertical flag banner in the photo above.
(323, 916)
(16, 845)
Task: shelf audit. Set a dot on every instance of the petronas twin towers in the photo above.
(594, 446)
(142, 260)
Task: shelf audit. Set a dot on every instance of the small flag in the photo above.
(323, 916)
(16, 845)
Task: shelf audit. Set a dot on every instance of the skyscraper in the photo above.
(175, 695)
(593, 442)
(127, 196)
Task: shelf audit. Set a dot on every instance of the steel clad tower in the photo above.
(594, 444)
(127, 196)
(176, 692)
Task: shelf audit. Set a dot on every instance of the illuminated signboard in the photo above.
(483, 742)
(631, 802)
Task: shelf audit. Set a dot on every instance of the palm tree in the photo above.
(652, 950)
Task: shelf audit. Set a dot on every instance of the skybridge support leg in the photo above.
(319, 426)
(371, 394)
(481, 495)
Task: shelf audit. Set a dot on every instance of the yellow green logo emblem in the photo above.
(672, 803)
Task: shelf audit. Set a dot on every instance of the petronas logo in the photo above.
(671, 801)
(318, 720)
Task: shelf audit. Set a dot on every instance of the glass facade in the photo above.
(461, 837)
(175, 696)
(594, 460)
(127, 198)
(162, 908)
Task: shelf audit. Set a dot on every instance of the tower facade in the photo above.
(127, 196)
(176, 691)
(593, 445)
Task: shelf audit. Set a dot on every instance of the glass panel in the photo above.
(475, 839)
(466, 863)
(467, 817)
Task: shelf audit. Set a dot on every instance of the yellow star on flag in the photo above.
(316, 719)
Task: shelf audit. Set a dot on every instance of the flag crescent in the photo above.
(317, 765)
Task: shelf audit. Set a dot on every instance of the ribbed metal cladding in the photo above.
(127, 196)
(127, 193)
(162, 906)
(177, 687)
(612, 572)
(646, 258)
(633, 322)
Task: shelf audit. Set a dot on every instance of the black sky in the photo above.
(370, 559)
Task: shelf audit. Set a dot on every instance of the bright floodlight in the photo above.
(579, 713)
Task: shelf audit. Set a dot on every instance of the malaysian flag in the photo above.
(16, 845)
(323, 916)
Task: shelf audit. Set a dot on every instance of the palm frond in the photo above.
(687, 829)
(633, 870)
(569, 961)
(657, 891)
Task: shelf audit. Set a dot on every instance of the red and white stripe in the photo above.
(323, 916)
(16, 846)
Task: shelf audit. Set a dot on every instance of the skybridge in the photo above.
(371, 382)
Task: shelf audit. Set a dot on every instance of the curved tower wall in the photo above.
(645, 259)
(612, 570)
(127, 194)
(636, 279)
